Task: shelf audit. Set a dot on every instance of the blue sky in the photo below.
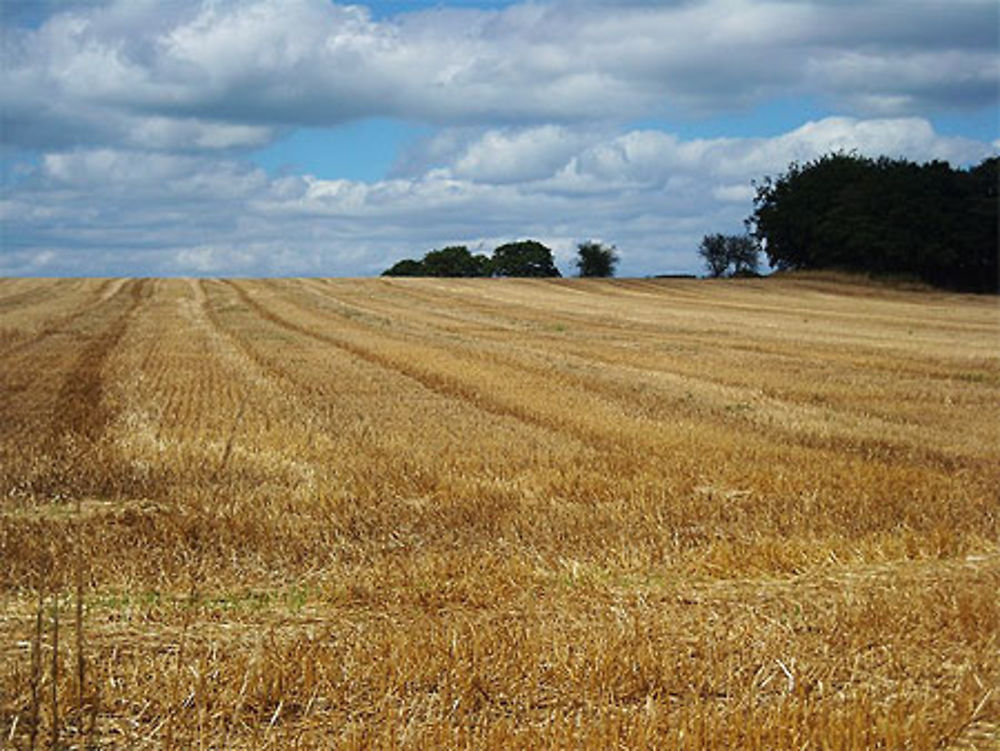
(360, 150)
(309, 137)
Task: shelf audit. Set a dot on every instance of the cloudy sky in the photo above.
(310, 137)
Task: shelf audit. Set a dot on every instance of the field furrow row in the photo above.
(498, 513)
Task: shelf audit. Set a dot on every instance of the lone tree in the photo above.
(744, 255)
(722, 252)
(595, 259)
(524, 258)
(713, 250)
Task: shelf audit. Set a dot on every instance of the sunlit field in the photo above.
(419, 513)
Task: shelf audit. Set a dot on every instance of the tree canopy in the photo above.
(524, 258)
(739, 255)
(884, 216)
(596, 259)
(714, 253)
(406, 267)
(455, 260)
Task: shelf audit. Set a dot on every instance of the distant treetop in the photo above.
(523, 258)
(596, 259)
(735, 255)
(455, 260)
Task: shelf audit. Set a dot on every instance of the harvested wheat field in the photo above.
(419, 513)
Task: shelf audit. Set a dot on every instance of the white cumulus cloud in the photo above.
(222, 74)
(651, 193)
(128, 126)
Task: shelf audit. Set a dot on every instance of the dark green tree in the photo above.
(484, 265)
(715, 254)
(744, 255)
(455, 260)
(595, 259)
(406, 267)
(883, 216)
(801, 215)
(740, 253)
(524, 258)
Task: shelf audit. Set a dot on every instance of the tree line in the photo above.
(884, 217)
(524, 258)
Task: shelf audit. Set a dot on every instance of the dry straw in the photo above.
(498, 514)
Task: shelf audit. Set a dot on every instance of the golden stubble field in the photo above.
(498, 514)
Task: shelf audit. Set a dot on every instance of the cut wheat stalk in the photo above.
(78, 614)
(55, 672)
(36, 670)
